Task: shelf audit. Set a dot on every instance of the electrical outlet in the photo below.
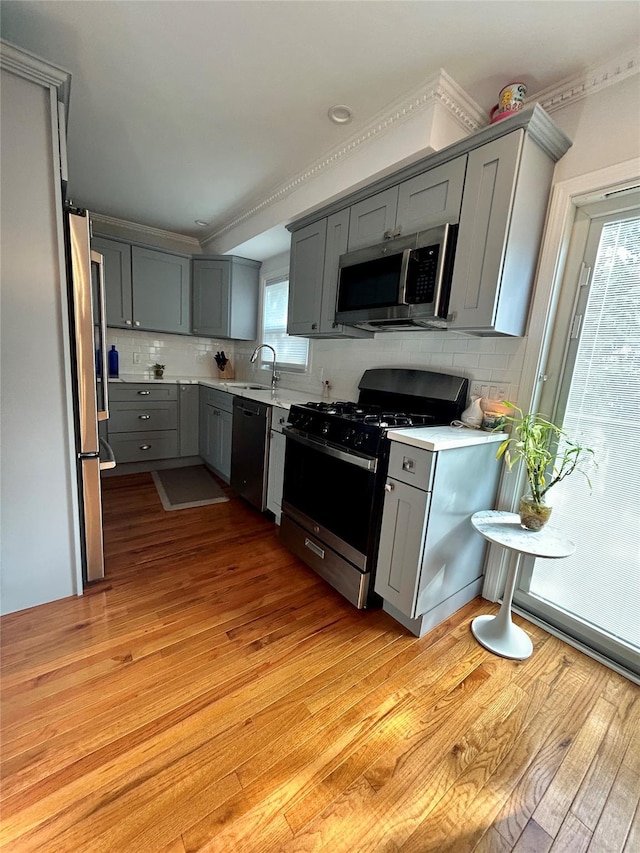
(136, 358)
(489, 390)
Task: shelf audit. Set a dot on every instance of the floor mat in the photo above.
(183, 488)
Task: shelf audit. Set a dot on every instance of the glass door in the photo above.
(594, 595)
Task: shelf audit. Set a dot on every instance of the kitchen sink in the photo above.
(247, 386)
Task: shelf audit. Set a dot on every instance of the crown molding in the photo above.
(27, 65)
(440, 89)
(146, 230)
(594, 79)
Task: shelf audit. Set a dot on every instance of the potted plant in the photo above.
(158, 370)
(549, 456)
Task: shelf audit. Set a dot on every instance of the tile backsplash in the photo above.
(492, 362)
(182, 355)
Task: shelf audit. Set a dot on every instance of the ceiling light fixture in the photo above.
(201, 223)
(340, 114)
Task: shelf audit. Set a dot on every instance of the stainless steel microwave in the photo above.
(399, 284)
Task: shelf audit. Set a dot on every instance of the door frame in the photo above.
(566, 198)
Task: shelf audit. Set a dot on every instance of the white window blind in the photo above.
(292, 351)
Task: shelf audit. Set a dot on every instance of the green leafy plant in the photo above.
(548, 454)
(157, 366)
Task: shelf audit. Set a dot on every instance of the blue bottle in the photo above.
(113, 362)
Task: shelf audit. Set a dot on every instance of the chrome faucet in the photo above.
(275, 377)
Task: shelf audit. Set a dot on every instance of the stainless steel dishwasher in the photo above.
(250, 450)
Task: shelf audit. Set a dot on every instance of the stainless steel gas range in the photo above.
(335, 469)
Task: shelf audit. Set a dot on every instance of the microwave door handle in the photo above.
(404, 268)
(98, 259)
(437, 298)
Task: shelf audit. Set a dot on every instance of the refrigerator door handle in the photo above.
(109, 459)
(97, 258)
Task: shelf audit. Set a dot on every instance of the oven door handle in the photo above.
(352, 459)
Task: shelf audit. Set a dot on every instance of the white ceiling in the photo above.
(195, 110)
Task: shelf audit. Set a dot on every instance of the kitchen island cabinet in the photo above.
(225, 297)
(430, 562)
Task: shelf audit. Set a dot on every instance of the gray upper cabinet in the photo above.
(503, 213)
(373, 219)
(161, 291)
(313, 276)
(117, 278)
(432, 198)
(225, 297)
(422, 202)
(145, 289)
(306, 270)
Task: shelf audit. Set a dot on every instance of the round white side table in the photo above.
(498, 633)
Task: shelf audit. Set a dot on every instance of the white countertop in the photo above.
(284, 398)
(443, 437)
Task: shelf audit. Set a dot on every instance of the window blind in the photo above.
(292, 351)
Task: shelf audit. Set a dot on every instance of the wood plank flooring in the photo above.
(213, 694)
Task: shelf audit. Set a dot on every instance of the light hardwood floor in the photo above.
(213, 694)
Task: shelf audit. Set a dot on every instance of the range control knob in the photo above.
(348, 434)
(324, 429)
(359, 439)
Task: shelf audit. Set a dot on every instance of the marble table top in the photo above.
(504, 529)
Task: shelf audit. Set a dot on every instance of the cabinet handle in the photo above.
(388, 234)
(314, 325)
(144, 393)
(127, 322)
(145, 447)
(137, 323)
(389, 487)
(313, 547)
(143, 417)
(408, 464)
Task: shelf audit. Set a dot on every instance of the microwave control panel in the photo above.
(422, 275)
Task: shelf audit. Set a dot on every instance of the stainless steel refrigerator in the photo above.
(88, 322)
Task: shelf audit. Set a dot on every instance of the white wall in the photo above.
(39, 546)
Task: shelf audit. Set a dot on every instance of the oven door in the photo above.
(332, 494)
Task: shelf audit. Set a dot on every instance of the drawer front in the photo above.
(412, 465)
(143, 417)
(140, 447)
(219, 399)
(129, 392)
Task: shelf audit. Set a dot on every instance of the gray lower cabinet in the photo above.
(501, 223)
(189, 416)
(225, 297)
(145, 289)
(143, 422)
(430, 560)
(313, 275)
(216, 430)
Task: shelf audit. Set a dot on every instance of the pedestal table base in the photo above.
(502, 637)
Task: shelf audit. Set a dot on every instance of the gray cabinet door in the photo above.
(189, 408)
(209, 424)
(432, 198)
(401, 543)
(211, 289)
(161, 291)
(117, 281)
(306, 270)
(370, 220)
(223, 450)
(337, 241)
(489, 191)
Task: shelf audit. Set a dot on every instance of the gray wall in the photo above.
(39, 547)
